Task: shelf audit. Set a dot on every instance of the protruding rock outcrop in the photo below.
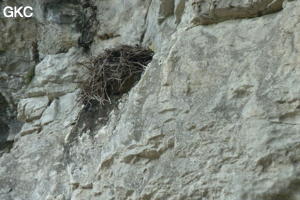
(209, 12)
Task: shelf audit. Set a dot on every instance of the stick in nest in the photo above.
(114, 72)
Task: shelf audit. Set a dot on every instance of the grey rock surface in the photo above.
(215, 116)
(208, 12)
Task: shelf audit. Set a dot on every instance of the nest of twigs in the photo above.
(113, 73)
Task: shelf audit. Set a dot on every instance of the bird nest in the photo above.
(114, 73)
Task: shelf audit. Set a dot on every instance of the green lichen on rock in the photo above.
(29, 75)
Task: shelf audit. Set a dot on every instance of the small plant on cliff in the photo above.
(113, 73)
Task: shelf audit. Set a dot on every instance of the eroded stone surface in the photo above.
(57, 75)
(215, 115)
(209, 12)
(32, 108)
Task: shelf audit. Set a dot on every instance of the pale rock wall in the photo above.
(208, 12)
(215, 116)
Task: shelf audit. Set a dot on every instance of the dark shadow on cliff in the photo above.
(8, 126)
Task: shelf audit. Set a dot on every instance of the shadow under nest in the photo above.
(113, 73)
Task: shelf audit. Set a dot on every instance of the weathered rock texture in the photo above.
(215, 116)
(208, 12)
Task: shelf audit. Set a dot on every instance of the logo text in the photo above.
(13, 12)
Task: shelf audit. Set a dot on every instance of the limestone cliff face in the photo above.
(215, 116)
